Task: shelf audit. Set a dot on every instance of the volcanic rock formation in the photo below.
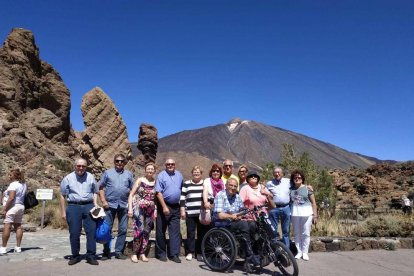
(35, 132)
(105, 134)
(148, 142)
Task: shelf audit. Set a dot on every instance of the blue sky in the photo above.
(338, 71)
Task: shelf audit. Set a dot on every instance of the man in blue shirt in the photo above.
(168, 191)
(114, 187)
(80, 190)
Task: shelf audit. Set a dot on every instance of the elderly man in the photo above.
(168, 192)
(227, 206)
(228, 172)
(114, 187)
(80, 190)
(280, 188)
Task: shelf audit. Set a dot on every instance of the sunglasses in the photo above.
(80, 166)
(215, 171)
(297, 177)
(170, 164)
(228, 165)
(242, 171)
(120, 161)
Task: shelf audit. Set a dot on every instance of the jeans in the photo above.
(282, 213)
(76, 216)
(122, 214)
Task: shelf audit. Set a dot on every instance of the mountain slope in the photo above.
(252, 143)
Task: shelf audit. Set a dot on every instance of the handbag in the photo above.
(103, 233)
(30, 200)
(205, 216)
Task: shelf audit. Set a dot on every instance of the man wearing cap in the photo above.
(168, 191)
(228, 172)
(80, 190)
(114, 187)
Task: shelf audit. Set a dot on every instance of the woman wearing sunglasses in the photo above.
(212, 185)
(304, 213)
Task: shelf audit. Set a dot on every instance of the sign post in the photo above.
(44, 194)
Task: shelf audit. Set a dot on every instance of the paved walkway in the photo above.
(44, 253)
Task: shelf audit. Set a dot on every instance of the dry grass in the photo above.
(331, 227)
(392, 225)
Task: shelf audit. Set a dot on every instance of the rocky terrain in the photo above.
(380, 185)
(35, 130)
(36, 136)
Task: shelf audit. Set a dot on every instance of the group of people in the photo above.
(163, 200)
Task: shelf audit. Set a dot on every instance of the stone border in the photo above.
(327, 244)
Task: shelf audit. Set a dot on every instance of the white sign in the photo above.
(44, 194)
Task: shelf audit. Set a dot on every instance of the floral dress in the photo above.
(143, 207)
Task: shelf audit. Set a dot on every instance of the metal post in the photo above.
(43, 214)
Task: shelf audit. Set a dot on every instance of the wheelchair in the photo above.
(220, 248)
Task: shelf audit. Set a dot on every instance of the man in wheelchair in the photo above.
(228, 207)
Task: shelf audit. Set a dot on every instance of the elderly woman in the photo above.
(212, 186)
(142, 208)
(304, 213)
(190, 204)
(13, 202)
(255, 194)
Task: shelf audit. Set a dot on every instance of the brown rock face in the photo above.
(105, 134)
(27, 84)
(148, 142)
(35, 132)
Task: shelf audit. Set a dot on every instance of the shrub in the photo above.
(385, 226)
(52, 215)
(62, 165)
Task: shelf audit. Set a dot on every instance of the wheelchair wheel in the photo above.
(285, 260)
(219, 249)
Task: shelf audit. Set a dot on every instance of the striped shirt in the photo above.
(192, 197)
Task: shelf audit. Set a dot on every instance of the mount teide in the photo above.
(252, 143)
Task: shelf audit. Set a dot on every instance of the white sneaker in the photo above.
(17, 249)
(189, 257)
(298, 256)
(3, 250)
(305, 256)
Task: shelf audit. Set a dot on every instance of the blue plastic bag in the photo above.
(103, 231)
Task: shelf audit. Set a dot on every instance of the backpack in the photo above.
(103, 233)
(30, 200)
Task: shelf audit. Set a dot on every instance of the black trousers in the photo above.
(172, 222)
(192, 245)
(243, 227)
